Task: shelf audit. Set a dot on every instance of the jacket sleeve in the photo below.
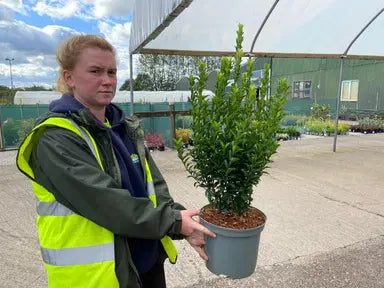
(65, 166)
(162, 193)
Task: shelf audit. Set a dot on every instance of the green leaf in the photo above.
(234, 133)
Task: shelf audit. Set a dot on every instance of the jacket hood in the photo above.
(67, 104)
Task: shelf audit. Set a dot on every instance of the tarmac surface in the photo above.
(325, 219)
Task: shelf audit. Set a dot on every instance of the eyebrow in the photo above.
(100, 67)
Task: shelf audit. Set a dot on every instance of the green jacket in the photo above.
(63, 163)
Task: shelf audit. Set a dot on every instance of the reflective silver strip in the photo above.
(150, 188)
(86, 138)
(52, 209)
(79, 255)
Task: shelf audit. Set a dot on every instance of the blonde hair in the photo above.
(68, 52)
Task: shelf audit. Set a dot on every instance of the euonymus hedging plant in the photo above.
(233, 134)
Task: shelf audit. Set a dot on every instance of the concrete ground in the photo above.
(325, 225)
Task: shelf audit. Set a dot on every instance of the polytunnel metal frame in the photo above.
(184, 4)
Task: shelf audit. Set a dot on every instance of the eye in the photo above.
(112, 72)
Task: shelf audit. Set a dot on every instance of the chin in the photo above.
(106, 100)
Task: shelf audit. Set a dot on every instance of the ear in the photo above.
(68, 78)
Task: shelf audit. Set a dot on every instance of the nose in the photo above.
(106, 79)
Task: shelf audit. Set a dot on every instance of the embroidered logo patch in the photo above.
(135, 158)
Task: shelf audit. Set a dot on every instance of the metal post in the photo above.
(10, 69)
(131, 82)
(182, 108)
(262, 25)
(338, 102)
(270, 80)
(21, 112)
(2, 142)
(172, 119)
(152, 121)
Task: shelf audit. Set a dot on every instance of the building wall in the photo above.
(324, 76)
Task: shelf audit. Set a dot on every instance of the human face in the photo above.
(93, 79)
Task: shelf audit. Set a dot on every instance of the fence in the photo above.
(17, 120)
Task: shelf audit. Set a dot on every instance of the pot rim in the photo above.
(261, 226)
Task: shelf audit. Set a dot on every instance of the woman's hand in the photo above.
(195, 231)
(196, 240)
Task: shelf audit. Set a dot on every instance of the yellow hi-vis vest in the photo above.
(76, 251)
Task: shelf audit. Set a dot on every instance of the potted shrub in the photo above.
(321, 112)
(154, 141)
(185, 135)
(234, 137)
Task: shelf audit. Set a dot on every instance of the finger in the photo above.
(192, 212)
(205, 230)
(202, 253)
(196, 241)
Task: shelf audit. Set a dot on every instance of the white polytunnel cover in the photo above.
(295, 28)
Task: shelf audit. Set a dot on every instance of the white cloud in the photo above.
(29, 74)
(19, 36)
(85, 9)
(58, 33)
(15, 5)
(106, 8)
(33, 70)
(117, 34)
(34, 48)
(59, 9)
(6, 14)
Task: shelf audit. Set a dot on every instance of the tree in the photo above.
(165, 70)
(126, 86)
(141, 83)
(6, 95)
(35, 88)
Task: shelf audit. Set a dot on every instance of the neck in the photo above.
(98, 112)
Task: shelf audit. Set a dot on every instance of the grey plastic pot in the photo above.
(233, 252)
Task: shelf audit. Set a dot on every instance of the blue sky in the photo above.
(30, 31)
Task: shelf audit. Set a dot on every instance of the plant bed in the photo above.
(234, 136)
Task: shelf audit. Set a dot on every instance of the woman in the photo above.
(104, 214)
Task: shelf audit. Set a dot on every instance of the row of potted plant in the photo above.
(325, 128)
(368, 125)
(294, 120)
(291, 132)
(357, 115)
(156, 142)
